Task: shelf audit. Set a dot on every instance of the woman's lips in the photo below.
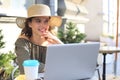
(42, 30)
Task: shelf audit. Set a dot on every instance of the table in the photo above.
(22, 77)
(107, 50)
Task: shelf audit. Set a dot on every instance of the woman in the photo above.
(36, 35)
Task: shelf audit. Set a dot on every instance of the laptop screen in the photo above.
(71, 61)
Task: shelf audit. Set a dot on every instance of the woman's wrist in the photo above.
(57, 40)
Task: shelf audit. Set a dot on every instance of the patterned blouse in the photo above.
(25, 49)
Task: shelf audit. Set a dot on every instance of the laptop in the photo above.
(74, 61)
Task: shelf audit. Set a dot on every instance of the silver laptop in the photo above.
(71, 61)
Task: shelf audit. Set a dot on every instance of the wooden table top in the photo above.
(109, 49)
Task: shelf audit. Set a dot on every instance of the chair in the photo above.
(16, 67)
(97, 68)
(13, 72)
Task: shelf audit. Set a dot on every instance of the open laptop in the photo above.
(71, 61)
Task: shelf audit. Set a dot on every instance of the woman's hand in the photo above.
(51, 38)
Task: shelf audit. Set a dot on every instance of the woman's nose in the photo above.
(43, 25)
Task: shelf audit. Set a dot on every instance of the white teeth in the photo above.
(42, 30)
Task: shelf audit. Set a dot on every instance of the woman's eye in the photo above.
(46, 21)
(41, 20)
(38, 20)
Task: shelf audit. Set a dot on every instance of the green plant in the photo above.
(6, 60)
(1, 42)
(109, 36)
(71, 34)
(6, 65)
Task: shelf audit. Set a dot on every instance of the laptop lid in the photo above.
(71, 61)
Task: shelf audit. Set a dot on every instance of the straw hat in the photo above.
(39, 10)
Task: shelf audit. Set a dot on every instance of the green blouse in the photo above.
(25, 49)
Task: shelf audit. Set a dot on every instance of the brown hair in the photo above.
(27, 31)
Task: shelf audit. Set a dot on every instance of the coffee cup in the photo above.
(31, 69)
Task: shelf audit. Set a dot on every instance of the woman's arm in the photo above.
(52, 38)
(22, 52)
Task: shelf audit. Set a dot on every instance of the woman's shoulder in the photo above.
(23, 37)
(22, 40)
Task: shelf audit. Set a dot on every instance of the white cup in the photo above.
(31, 69)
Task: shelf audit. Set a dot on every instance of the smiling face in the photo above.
(39, 25)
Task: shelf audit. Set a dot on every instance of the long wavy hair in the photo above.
(27, 31)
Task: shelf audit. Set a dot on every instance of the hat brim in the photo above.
(55, 21)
